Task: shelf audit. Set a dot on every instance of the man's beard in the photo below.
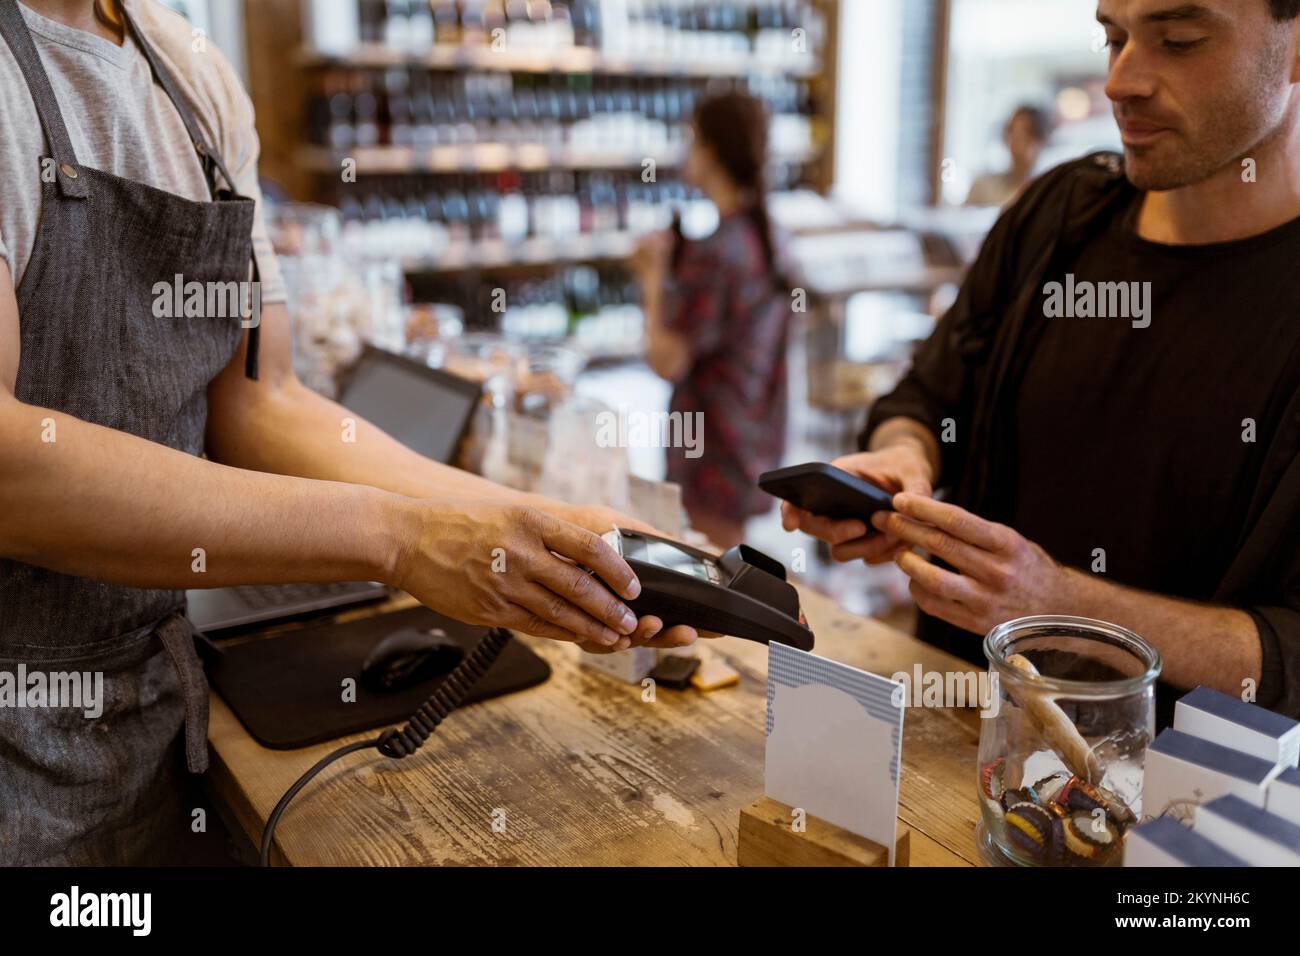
(1178, 167)
(1241, 125)
(1182, 165)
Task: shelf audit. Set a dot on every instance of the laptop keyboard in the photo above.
(259, 597)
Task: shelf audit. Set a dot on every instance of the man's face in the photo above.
(1195, 86)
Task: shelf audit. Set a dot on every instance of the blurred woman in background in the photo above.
(717, 314)
(1025, 135)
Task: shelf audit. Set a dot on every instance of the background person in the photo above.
(718, 314)
(1025, 134)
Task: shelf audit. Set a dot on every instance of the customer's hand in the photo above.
(1000, 574)
(901, 467)
(483, 561)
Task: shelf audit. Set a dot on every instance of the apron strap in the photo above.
(177, 636)
(67, 173)
(210, 158)
(254, 331)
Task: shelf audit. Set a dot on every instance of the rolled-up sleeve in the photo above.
(1279, 636)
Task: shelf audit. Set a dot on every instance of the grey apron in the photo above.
(108, 789)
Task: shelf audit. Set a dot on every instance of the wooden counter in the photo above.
(583, 773)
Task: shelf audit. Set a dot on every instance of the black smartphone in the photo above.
(827, 491)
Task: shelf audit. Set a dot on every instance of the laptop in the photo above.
(426, 409)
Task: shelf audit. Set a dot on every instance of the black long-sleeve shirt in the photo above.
(1164, 444)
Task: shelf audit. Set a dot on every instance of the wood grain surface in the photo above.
(582, 771)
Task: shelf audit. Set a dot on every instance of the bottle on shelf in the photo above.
(396, 115)
(447, 28)
(372, 14)
(365, 111)
(419, 27)
(397, 24)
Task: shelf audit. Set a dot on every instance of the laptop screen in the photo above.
(425, 409)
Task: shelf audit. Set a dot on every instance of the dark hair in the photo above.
(1284, 9)
(1040, 125)
(734, 128)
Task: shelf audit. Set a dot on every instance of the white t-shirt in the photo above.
(121, 122)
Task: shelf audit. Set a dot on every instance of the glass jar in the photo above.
(1063, 741)
(327, 300)
(547, 378)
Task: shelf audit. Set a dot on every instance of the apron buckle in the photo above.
(70, 181)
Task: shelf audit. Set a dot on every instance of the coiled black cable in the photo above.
(398, 744)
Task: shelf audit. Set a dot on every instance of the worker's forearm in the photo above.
(1199, 643)
(291, 430)
(908, 431)
(99, 503)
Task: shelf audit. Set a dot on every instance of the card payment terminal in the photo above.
(742, 593)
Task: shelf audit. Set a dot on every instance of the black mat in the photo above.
(287, 689)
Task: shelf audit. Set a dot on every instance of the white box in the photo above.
(1257, 836)
(1183, 771)
(1284, 795)
(630, 666)
(1231, 722)
(1164, 842)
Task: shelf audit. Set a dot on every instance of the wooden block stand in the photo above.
(766, 839)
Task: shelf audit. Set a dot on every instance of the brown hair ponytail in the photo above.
(734, 128)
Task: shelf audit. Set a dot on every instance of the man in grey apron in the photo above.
(103, 244)
(108, 790)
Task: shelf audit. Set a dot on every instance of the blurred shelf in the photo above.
(495, 158)
(604, 359)
(916, 279)
(577, 60)
(460, 257)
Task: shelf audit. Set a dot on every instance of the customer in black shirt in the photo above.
(1114, 401)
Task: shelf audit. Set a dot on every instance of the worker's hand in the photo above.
(901, 467)
(484, 561)
(1000, 574)
(649, 632)
(599, 518)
